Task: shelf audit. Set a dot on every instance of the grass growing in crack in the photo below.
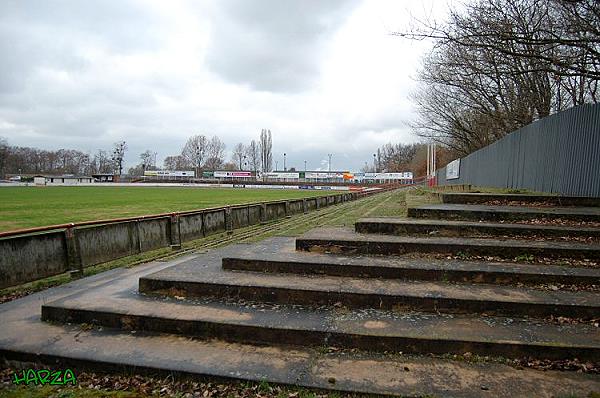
(525, 258)
(462, 255)
(420, 196)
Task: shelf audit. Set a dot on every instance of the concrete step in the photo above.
(343, 240)
(369, 330)
(24, 337)
(551, 200)
(411, 269)
(402, 226)
(204, 277)
(503, 213)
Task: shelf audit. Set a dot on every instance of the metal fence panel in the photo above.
(557, 154)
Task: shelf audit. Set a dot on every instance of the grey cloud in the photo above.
(53, 94)
(123, 26)
(52, 34)
(38, 38)
(273, 45)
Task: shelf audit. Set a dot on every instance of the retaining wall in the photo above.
(40, 254)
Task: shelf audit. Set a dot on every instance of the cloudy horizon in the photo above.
(324, 77)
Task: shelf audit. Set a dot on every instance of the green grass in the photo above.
(263, 389)
(24, 207)
(346, 214)
(64, 392)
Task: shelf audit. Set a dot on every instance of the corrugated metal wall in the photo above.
(559, 153)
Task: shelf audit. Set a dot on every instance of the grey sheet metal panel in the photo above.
(558, 154)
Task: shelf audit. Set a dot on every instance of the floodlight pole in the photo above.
(428, 161)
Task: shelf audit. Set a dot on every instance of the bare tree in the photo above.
(216, 153)
(239, 153)
(4, 150)
(148, 160)
(253, 155)
(397, 157)
(498, 65)
(102, 162)
(194, 151)
(266, 150)
(177, 162)
(229, 166)
(32, 160)
(137, 170)
(118, 155)
(567, 30)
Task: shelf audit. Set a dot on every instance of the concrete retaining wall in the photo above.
(27, 258)
(39, 255)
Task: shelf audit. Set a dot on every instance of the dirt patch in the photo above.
(563, 320)
(504, 202)
(529, 259)
(556, 222)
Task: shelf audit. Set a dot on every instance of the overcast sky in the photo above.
(323, 76)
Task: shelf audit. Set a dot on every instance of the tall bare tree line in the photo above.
(393, 158)
(498, 65)
(202, 153)
(27, 160)
(199, 153)
(266, 150)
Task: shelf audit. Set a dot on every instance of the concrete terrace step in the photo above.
(117, 306)
(203, 277)
(23, 336)
(478, 198)
(499, 213)
(410, 269)
(343, 240)
(398, 226)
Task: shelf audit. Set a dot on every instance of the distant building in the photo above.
(66, 179)
(105, 177)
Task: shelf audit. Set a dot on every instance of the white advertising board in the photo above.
(453, 170)
(322, 175)
(281, 175)
(232, 174)
(407, 175)
(169, 173)
(313, 174)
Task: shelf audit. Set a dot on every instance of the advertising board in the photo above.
(232, 174)
(453, 170)
(169, 173)
(281, 175)
(407, 175)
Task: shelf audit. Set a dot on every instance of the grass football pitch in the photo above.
(24, 207)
